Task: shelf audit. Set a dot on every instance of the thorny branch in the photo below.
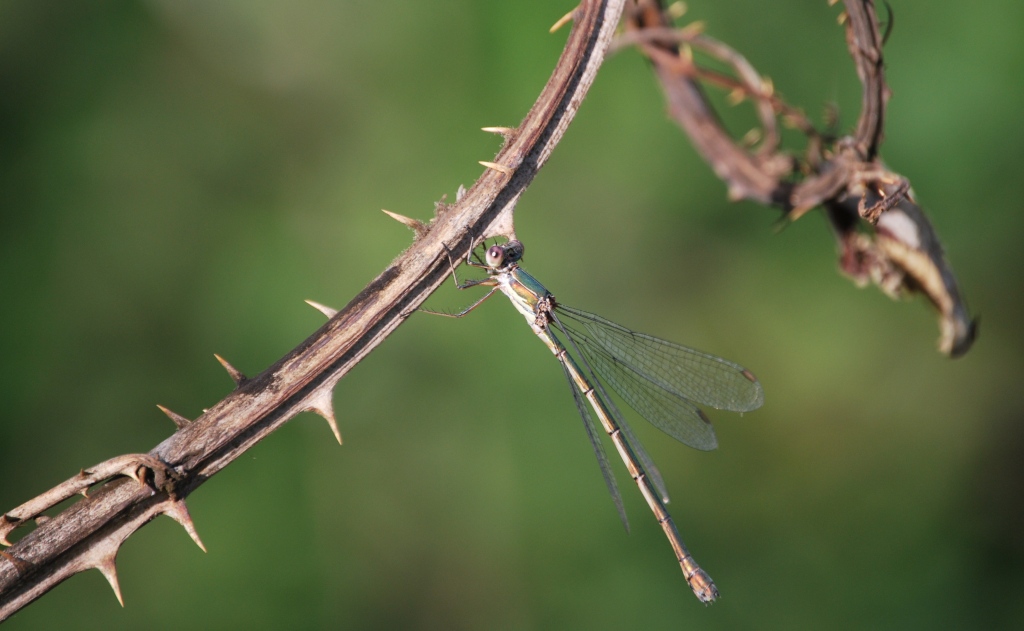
(899, 251)
(89, 533)
(884, 236)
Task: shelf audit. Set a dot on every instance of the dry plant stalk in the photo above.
(884, 237)
(902, 253)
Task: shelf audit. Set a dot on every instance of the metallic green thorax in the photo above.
(525, 292)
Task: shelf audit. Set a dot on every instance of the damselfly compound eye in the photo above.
(495, 256)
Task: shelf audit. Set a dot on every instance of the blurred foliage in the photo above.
(176, 176)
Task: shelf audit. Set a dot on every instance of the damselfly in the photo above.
(661, 380)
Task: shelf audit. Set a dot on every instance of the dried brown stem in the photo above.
(88, 533)
(883, 235)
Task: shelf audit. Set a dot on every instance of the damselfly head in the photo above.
(499, 256)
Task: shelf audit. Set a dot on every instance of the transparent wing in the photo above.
(638, 448)
(595, 441)
(661, 380)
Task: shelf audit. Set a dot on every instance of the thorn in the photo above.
(504, 131)
(21, 566)
(693, 29)
(677, 9)
(798, 212)
(179, 513)
(459, 194)
(440, 206)
(752, 137)
(562, 21)
(735, 193)
(178, 419)
(109, 570)
(767, 87)
(737, 96)
(82, 473)
(417, 226)
(9, 524)
(236, 374)
(842, 18)
(137, 473)
(324, 309)
(321, 404)
(500, 168)
(686, 53)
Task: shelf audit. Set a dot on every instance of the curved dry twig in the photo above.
(89, 533)
(883, 235)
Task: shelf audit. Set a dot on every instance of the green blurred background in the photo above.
(177, 176)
